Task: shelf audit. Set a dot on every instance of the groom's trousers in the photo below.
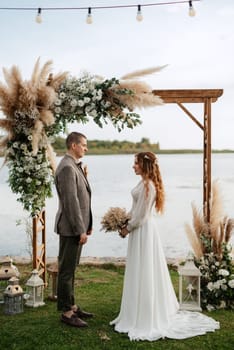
(68, 259)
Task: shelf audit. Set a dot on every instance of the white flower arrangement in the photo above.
(30, 177)
(211, 245)
(39, 109)
(89, 96)
(217, 280)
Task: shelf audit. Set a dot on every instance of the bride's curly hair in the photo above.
(148, 163)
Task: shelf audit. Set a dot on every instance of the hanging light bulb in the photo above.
(192, 12)
(38, 16)
(139, 16)
(89, 18)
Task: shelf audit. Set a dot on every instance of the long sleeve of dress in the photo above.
(141, 206)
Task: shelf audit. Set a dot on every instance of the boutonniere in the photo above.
(85, 170)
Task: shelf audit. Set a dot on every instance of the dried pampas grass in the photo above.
(194, 241)
(139, 73)
(216, 209)
(142, 96)
(14, 82)
(32, 99)
(40, 76)
(199, 223)
(47, 117)
(51, 155)
(6, 102)
(218, 231)
(54, 81)
(46, 96)
(37, 136)
(229, 229)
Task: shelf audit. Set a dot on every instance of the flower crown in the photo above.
(147, 157)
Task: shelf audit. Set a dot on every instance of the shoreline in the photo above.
(61, 153)
(89, 260)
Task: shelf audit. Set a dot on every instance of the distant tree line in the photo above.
(125, 147)
(111, 147)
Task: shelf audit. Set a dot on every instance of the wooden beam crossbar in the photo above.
(188, 95)
(190, 115)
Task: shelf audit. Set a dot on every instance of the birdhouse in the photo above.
(35, 290)
(13, 297)
(189, 285)
(7, 270)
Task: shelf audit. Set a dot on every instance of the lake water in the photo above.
(112, 178)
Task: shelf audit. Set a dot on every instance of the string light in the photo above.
(139, 16)
(89, 18)
(192, 12)
(38, 16)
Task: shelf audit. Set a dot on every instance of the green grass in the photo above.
(99, 291)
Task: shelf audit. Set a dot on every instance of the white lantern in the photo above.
(35, 290)
(189, 285)
(13, 297)
(7, 270)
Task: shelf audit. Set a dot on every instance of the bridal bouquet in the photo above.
(115, 219)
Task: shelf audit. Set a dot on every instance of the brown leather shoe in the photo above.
(73, 321)
(83, 314)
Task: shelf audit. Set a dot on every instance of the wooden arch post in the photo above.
(39, 244)
(206, 97)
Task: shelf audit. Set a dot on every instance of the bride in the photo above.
(149, 308)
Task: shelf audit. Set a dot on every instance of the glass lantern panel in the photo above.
(13, 305)
(39, 293)
(31, 293)
(190, 285)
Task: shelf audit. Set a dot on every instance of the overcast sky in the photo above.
(199, 52)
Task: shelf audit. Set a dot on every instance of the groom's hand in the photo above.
(83, 238)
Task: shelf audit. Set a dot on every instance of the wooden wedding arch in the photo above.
(203, 96)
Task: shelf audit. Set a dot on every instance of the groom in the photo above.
(73, 224)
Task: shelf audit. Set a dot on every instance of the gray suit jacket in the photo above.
(74, 215)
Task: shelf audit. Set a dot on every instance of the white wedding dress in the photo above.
(149, 308)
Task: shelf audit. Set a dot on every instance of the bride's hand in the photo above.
(124, 232)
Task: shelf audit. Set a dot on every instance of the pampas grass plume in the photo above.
(139, 73)
(194, 241)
